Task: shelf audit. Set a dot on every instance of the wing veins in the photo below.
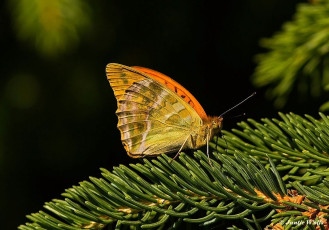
(140, 86)
(165, 146)
(142, 133)
(149, 107)
(155, 102)
(166, 124)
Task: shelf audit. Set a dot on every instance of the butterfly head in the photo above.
(215, 124)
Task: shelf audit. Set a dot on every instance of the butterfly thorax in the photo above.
(210, 127)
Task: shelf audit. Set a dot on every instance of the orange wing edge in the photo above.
(175, 87)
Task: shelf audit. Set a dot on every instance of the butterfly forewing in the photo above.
(175, 87)
(120, 80)
(152, 118)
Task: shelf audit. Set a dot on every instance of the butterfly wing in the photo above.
(153, 119)
(176, 87)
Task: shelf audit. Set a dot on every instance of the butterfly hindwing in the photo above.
(152, 118)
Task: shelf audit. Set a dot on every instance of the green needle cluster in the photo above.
(256, 173)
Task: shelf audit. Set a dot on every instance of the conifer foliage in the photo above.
(296, 58)
(270, 174)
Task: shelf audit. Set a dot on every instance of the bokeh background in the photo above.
(57, 110)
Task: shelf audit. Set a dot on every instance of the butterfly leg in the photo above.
(222, 136)
(216, 143)
(208, 135)
(181, 148)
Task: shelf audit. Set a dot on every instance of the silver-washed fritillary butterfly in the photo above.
(156, 114)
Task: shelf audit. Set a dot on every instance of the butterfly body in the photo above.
(156, 114)
(205, 131)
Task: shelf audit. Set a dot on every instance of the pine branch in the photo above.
(297, 57)
(148, 195)
(299, 147)
(247, 184)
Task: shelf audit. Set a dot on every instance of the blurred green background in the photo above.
(57, 110)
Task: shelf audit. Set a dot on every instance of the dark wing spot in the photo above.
(124, 78)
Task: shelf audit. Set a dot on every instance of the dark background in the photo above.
(57, 115)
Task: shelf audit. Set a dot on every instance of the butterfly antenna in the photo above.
(253, 94)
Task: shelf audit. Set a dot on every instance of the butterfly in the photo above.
(156, 114)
